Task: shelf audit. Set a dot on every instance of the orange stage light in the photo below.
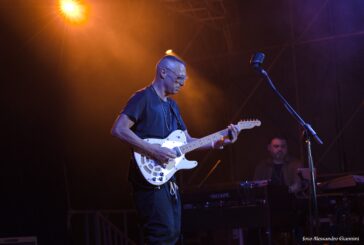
(169, 52)
(73, 11)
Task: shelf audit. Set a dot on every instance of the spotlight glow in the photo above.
(169, 52)
(73, 10)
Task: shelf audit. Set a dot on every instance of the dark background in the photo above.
(62, 87)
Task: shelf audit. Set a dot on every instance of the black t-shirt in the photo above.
(277, 175)
(153, 118)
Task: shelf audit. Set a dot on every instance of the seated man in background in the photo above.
(280, 168)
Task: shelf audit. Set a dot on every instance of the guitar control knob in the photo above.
(154, 179)
(161, 173)
(160, 178)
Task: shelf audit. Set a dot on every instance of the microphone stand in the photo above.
(309, 132)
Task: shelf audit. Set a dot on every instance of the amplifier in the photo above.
(246, 193)
(18, 241)
(242, 204)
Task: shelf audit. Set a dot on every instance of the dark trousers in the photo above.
(159, 213)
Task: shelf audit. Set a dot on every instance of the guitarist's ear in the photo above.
(162, 73)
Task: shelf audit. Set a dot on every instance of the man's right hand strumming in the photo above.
(161, 154)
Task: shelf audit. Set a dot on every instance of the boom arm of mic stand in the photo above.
(305, 125)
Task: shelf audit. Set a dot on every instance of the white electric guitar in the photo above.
(153, 171)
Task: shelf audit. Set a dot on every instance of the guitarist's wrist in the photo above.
(213, 146)
(151, 151)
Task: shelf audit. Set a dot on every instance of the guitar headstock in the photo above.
(247, 124)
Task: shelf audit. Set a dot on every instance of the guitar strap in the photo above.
(179, 124)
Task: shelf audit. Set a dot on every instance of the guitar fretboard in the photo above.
(203, 141)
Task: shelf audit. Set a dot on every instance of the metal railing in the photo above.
(94, 227)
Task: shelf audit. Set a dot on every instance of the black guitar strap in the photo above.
(179, 124)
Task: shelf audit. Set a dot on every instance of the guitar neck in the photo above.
(203, 141)
(217, 136)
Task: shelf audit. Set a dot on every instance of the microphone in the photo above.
(256, 60)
